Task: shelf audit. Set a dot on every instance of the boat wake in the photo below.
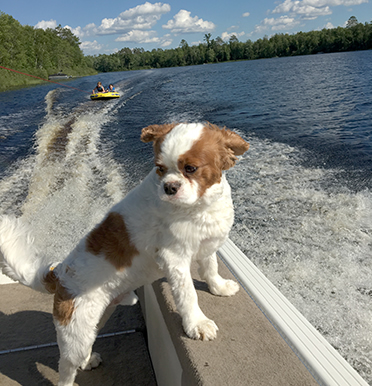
(312, 242)
(70, 180)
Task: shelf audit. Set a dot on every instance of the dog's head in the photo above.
(190, 158)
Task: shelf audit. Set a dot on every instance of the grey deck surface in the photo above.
(26, 320)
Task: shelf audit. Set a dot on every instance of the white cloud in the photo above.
(246, 14)
(182, 22)
(142, 17)
(285, 7)
(89, 30)
(167, 42)
(137, 36)
(333, 3)
(142, 37)
(76, 31)
(281, 23)
(134, 25)
(46, 24)
(226, 35)
(311, 9)
(91, 47)
(329, 25)
(303, 8)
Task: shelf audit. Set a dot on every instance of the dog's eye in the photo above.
(161, 169)
(189, 169)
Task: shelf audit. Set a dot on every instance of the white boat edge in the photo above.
(321, 359)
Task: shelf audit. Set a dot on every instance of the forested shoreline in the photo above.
(355, 36)
(37, 52)
(43, 52)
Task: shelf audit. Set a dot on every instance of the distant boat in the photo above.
(59, 75)
(105, 95)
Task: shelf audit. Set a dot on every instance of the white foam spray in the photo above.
(313, 243)
(70, 181)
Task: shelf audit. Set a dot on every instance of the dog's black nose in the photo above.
(171, 188)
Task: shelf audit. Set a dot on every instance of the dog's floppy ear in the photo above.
(234, 145)
(235, 142)
(154, 132)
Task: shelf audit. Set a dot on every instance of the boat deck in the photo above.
(248, 351)
(26, 321)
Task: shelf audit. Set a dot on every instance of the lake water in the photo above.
(302, 193)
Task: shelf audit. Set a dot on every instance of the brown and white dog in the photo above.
(181, 212)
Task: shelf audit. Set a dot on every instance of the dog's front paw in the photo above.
(94, 361)
(205, 329)
(224, 288)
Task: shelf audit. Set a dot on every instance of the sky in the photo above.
(104, 27)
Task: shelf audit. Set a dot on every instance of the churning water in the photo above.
(302, 192)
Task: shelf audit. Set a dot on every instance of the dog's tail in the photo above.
(19, 258)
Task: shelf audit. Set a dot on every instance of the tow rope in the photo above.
(46, 80)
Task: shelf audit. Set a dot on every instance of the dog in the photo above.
(182, 211)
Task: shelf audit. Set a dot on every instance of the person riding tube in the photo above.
(99, 88)
(111, 88)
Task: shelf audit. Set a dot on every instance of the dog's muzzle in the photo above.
(171, 188)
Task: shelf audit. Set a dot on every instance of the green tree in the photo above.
(207, 39)
(37, 52)
(216, 50)
(210, 55)
(352, 22)
(236, 48)
(126, 58)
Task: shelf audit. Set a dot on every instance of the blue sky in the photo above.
(107, 26)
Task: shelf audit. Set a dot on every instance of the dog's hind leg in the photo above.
(67, 372)
(67, 369)
(208, 271)
(75, 351)
(75, 341)
(80, 356)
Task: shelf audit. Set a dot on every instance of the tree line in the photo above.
(38, 52)
(43, 52)
(355, 36)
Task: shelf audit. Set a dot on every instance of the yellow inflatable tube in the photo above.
(105, 95)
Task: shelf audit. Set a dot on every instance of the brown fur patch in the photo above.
(51, 282)
(233, 145)
(112, 239)
(63, 306)
(213, 152)
(161, 170)
(156, 133)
